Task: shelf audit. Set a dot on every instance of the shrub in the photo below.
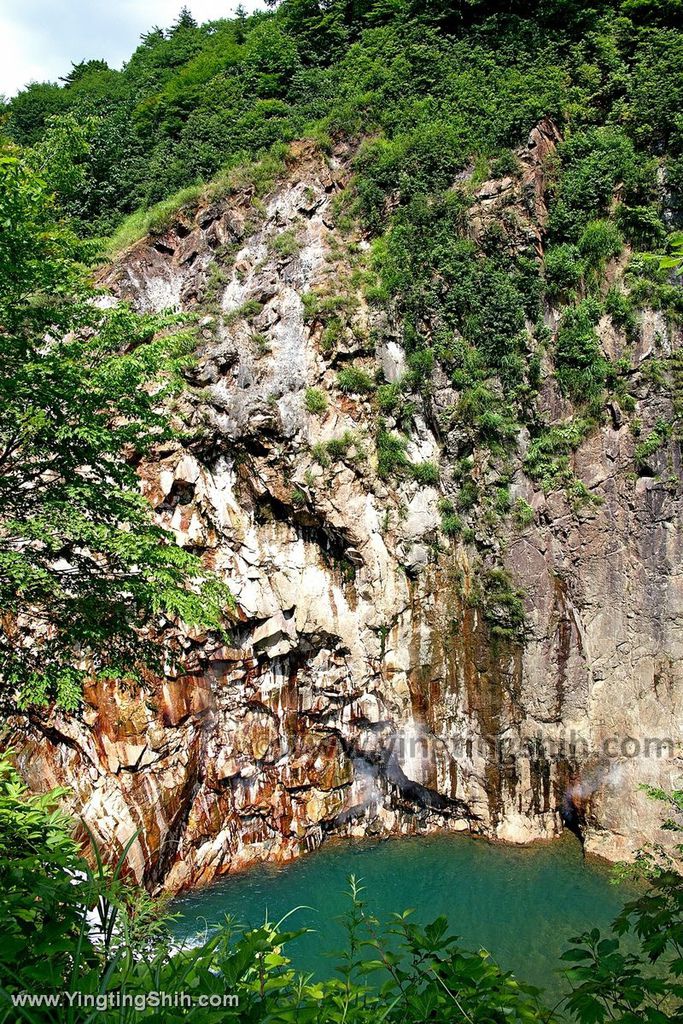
(286, 244)
(331, 334)
(563, 270)
(620, 309)
(642, 225)
(44, 893)
(503, 606)
(506, 165)
(594, 162)
(425, 473)
(581, 367)
(388, 397)
(523, 513)
(338, 447)
(391, 454)
(652, 443)
(354, 381)
(468, 495)
(321, 455)
(547, 459)
(315, 400)
(421, 367)
(600, 241)
(451, 523)
(154, 221)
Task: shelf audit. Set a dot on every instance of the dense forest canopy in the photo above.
(437, 82)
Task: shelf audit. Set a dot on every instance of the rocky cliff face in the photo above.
(365, 690)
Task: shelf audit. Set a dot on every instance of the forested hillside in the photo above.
(428, 86)
(341, 406)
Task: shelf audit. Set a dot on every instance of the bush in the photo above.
(594, 162)
(247, 311)
(286, 244)
(523, 513)
(315, 400)
(391, 454)
(339, 446)
(652, 444)
(388, 397)
(581, 367)
(642, 225)
(547, 459)
(468, 495)
(620, 309)
(451, 523)
(503, 606)
(354, 381)
(336, 449)
(600, 241)
(44, 888)
(506, 165)
(425, 473)
(563, 270)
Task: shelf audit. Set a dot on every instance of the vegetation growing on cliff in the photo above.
(431, 100)
(429, 97)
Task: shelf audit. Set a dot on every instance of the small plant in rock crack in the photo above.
(216, 281)
(354, 381)
(286, 244)
(425, 473)
(391, 454)
(522, 513)
(451, 523)
(247, 311)
(347, 447)
(502, 604)
(262, 343)
(315, 401)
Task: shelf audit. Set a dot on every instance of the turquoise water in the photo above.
(520, 903)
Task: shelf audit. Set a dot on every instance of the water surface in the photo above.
(520, 903)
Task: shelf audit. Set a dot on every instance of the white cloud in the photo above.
(40, 38)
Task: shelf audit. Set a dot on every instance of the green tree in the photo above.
(637, 980)
(184, 21)
(44, 891)
(84, 571)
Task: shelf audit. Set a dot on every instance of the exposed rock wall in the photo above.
(363, 690)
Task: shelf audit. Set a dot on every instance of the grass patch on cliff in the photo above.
(156, 220)
(315, 401)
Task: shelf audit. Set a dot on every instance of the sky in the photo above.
(40, 38)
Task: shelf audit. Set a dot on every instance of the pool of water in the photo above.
(520, 903)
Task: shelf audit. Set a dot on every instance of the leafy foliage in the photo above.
(581, 366)
(629, 982)
(83, 569)
(42, 892)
